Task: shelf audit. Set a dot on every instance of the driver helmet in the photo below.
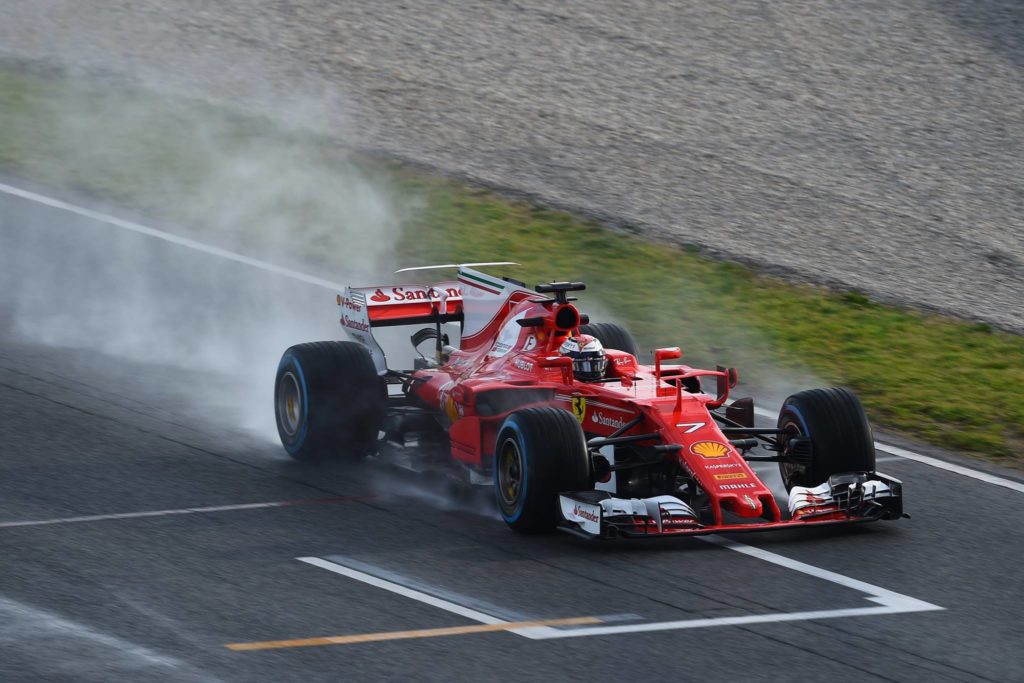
(588, 358)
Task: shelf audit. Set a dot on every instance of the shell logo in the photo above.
(710, 449)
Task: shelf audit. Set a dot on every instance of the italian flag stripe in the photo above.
(480, 283)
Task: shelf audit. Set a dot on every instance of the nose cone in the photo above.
(746, 505)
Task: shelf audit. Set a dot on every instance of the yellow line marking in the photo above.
(400, 635)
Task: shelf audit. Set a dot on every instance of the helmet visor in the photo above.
(589, 367)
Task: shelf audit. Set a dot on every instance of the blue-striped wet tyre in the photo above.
(540, 452)
(329, 401)
(840, 434)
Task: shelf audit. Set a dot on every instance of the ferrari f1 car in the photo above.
(639, 451)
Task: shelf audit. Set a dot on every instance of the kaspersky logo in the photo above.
(710, 449)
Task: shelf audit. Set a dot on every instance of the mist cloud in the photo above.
(270, 192)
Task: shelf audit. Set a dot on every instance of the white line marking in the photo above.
(334, 286)
(405, 591)
(169, 237)
(889, 602)
(165, 513)
(959, 469)
(426, 598)
(877, 594)
(548, 633)
(932, 462)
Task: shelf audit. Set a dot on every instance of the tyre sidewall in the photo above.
(512, 430)
(343, 400)
(292, 443)
(554, 458)
(790, 416)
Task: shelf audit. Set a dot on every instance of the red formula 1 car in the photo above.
(634, 450)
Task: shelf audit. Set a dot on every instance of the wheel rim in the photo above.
(791, 472)
(289, 403)
(510, 474)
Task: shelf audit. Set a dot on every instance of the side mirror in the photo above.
(727, 379)
(669, 353)
(563, 362)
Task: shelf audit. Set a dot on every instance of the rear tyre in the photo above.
(611, 336)
(840, 435)
(539, 453)
(328, 401)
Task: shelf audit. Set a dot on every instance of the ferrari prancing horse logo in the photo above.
(579, 407)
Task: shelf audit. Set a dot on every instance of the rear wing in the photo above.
(478, 301)
(404, 304)
(363, 308)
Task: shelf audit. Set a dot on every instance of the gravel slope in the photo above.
(868, 145)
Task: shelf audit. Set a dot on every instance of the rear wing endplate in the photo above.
(363, 308)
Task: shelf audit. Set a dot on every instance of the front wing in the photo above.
(855, 497)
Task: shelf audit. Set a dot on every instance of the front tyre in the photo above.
(840, 435)
(328, 400)
(539, 453)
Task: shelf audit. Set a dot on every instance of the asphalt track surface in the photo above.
(869, 145)
(90, 591)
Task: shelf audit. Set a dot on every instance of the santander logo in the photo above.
(355, 324)
(415, 294)
(420, 294)
(606, 421)
(577, 511)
